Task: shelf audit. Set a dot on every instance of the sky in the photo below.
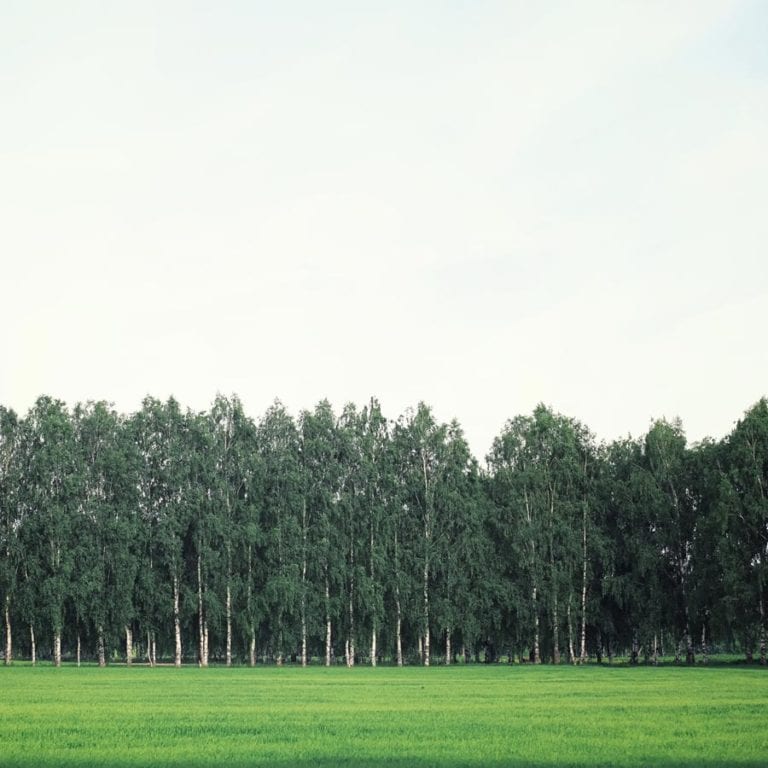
(482, 205)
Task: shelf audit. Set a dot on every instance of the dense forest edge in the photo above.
(170, 535)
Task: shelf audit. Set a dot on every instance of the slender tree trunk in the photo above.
(128, 646)
(8, 632)
(328, 638)
(373, 644)
(252, 648)
(399, 616)
(655, 651)
(372, 572)
(33, 644)
(101, 647)
(704, 649)
(583, 652)
(398, 629)
(154, 651)
(176, 622)
(57, 647)
(350, 644)
(427, 545)
(571, 655)
(229, 625)
(536, 645)
(304, 585)
(448, 647)
(426, 613)
(77, 651)
(762, 629)
(303, 618)
(149, 649)
(201, 653)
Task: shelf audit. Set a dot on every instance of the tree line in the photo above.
(182, 536)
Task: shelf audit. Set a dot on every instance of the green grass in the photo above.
(465, 716)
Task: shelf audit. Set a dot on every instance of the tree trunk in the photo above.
(448, 647)
(536, 645)
(252, 649)
(583, 652)
(201, 652)
(101, 648)
(8, 632)
(176, 622)
(655, 651)
(57, 648)
(77, 652)
(149, 648)
(426, 613)
(762, 629)
(350, 644)
(704, 649)
(154, 651)
(33, 644)
(689, 655)
(229, 625)
(327, 621)
(398, 629)
(571, 655)
(304, 585)
(128, 646)
(373, 644)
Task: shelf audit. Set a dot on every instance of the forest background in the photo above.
(189, 536)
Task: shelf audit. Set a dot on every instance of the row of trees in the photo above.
(172, 534)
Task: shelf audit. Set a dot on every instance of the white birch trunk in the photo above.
(176, 624)
(77, 652)
(373, 645)
(655, 650)
(33, 644)
(426, 614)
(399, 630)
(350, 644)
(201, 656)
(704, 649)
(57, 648)
(8, 632)
(447, 647)
(101, 649)
(252, 649)
(536, 645)
(571, 655)
(205, 643)
(583, 652)
(304, 584)
(229, 625)
(128, 646)
(327, 622)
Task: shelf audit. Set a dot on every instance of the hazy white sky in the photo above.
(483, 205)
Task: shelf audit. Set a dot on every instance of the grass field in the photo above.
(463, 716)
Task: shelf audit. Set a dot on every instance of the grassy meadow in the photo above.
(458, 716)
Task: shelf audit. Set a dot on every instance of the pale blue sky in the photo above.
(479, 204)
